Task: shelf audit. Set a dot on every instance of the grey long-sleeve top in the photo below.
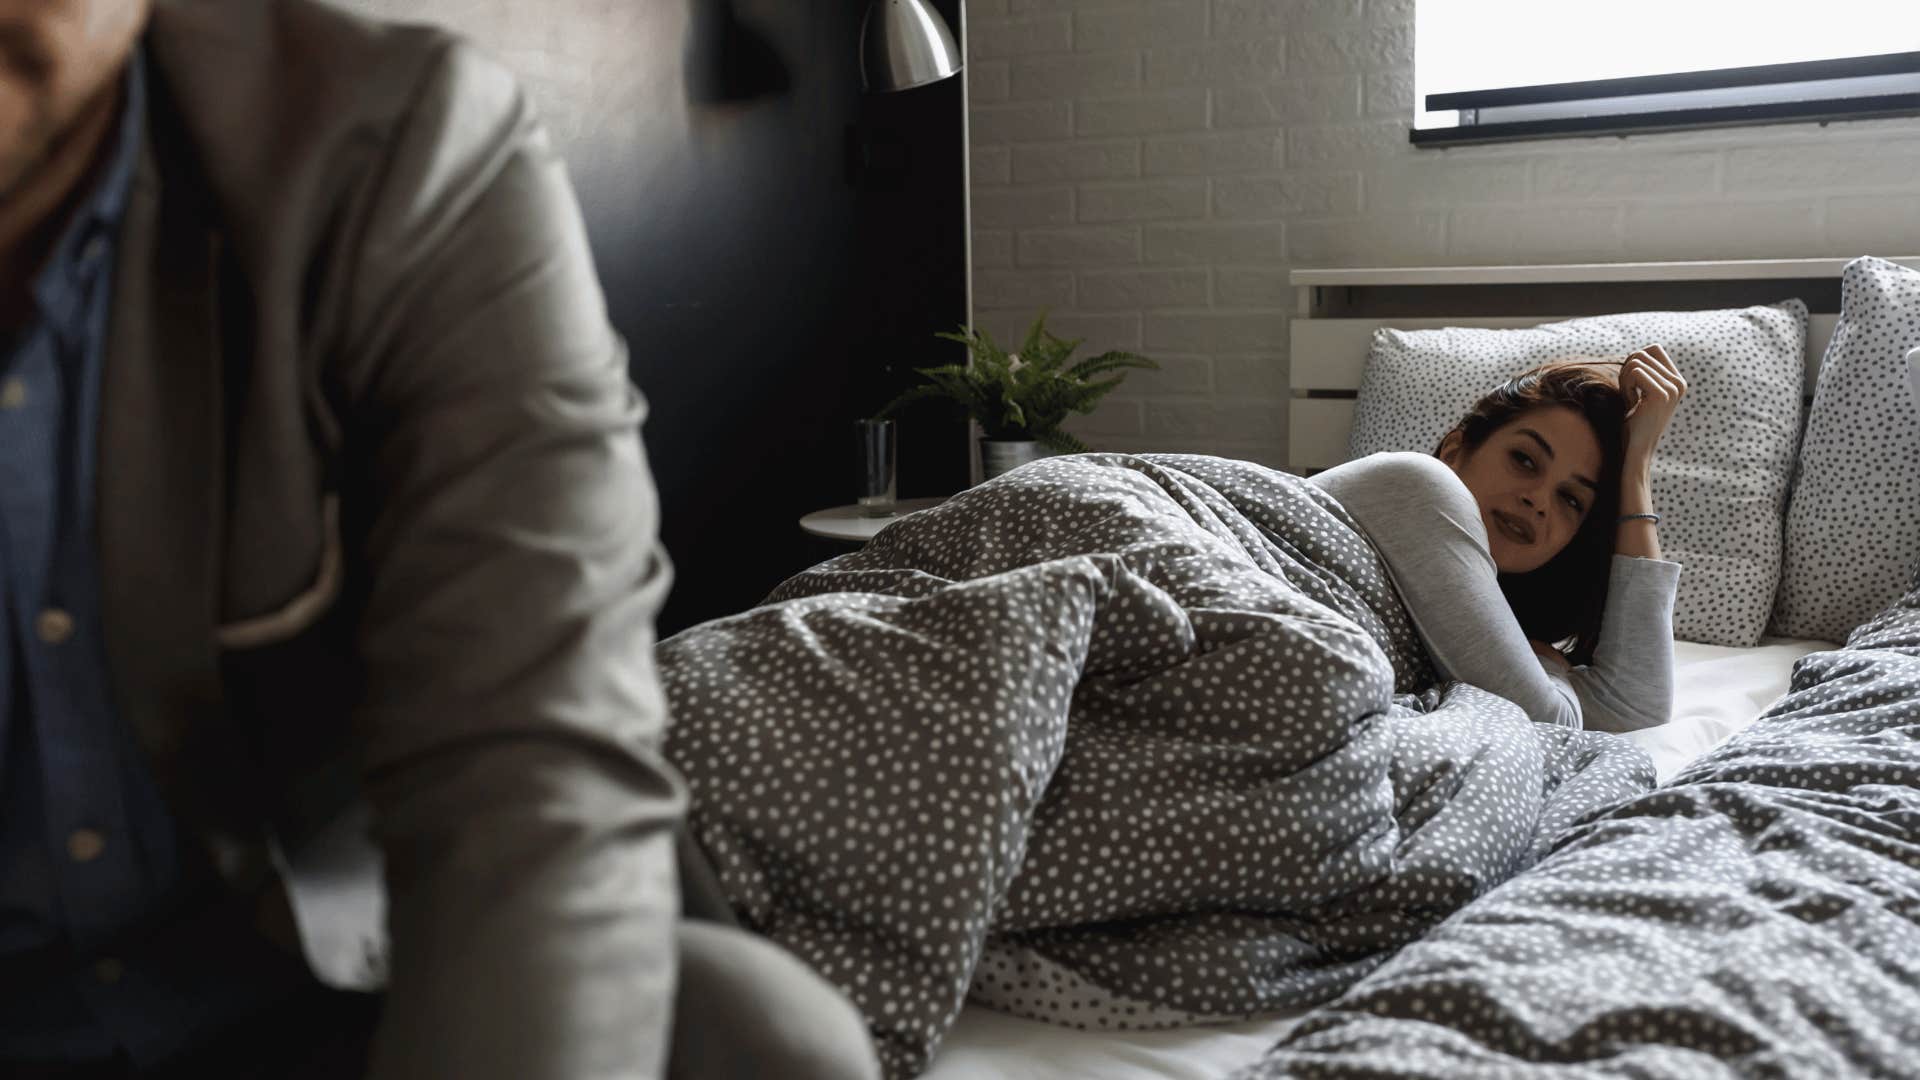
(1428, 530)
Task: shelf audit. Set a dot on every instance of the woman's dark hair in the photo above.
(1564, 598)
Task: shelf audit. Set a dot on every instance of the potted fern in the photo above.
(1020, 398)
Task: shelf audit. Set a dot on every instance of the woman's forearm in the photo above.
(1637, 536)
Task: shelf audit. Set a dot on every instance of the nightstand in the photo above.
(850, 524)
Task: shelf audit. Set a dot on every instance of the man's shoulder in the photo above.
(279, 97)
(294, 116)
(229, 57)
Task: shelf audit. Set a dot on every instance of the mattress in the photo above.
(1718, 691)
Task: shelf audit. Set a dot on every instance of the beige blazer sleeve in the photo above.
(507, 523)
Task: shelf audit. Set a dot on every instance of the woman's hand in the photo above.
(1653, 388)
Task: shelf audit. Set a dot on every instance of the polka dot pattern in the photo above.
(1758, 916)
(1020, 980)
(1112, 741)
(1722, 472)
(1853, 522)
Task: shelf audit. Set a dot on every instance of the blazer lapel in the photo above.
(161, 476)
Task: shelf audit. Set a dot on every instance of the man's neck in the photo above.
(33, 212)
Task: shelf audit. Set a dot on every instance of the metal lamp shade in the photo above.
(904, 44)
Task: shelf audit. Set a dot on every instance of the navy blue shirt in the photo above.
(93, 885)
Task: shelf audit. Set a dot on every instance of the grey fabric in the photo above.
(363, 411)
(742, 1010)
(1723, 468)
(1757, 916)
(1160, 721)
(1429, 533)
(746, 1010)
(1853, 522)
(1629, 685)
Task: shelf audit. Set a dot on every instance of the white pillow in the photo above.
(1721, 475)
(1853, 523)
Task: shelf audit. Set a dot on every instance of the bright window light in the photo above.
(1487, 44)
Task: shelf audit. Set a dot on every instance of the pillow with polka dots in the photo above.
(883, 726)
(1721, 475)
(1853, 522)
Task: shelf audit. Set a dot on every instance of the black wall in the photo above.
(776, 246)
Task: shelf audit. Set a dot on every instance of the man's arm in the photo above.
(513, 717)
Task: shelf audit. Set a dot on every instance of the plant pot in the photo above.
(1004, 455)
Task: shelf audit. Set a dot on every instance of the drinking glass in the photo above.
(879, 460)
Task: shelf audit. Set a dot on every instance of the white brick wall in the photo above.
(1150, 170)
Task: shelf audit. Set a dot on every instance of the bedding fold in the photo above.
(1759, 915)
(1157, 723)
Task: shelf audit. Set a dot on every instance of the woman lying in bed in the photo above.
(1526, 548)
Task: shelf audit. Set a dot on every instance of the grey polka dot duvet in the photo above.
(1757, 916)
(1112, 740)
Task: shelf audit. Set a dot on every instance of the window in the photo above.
(1492, 70)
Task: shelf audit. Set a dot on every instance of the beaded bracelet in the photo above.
(1624, 518)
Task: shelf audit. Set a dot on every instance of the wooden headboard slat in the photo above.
(1330, 336)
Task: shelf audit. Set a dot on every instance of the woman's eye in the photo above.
(1572, 502)
(1522, 460)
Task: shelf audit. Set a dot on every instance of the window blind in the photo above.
(1489, 70)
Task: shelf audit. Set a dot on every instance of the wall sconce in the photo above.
(904, 44)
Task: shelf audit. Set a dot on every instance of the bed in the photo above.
(1720, 691)
(1378, 1027)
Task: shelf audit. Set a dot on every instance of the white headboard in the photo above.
(1338, 311)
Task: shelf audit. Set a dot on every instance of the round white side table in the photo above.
(851, 524)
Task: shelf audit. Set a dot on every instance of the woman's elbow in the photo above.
(1561, 709)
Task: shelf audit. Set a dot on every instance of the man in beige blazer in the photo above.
(330, 568)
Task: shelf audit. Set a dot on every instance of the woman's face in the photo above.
(1535, 481)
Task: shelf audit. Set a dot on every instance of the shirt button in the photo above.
(85, 845)
(108, 970)
(13, 394)
(54, 626)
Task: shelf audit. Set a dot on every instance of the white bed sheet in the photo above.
(1718, 691)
